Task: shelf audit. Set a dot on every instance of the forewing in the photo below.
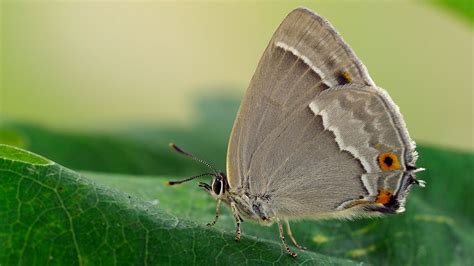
(304, 57)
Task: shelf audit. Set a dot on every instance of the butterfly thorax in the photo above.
(255, 207)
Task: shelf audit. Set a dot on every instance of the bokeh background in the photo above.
(100, 65)
(101, 87)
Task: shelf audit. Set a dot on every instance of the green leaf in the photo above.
(15, 154)
(52, 215)
(436, 229)
(49, 214)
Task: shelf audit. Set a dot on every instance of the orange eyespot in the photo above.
(383, 197)
(344, 77)
(347, 76)
(388, 161)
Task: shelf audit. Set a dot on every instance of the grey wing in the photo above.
(330, 156)
(305, 56)
(367, 124)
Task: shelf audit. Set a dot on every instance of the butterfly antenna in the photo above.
(192, 156)
(170, 183)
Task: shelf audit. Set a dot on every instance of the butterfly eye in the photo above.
(217, 186)
(388, 161)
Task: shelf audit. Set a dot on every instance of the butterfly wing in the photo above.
(278, 145)
(367, 124)
(305, 56)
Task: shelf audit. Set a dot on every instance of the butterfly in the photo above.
(314, 137)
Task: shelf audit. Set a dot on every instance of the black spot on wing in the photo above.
(388, 161)
(344, 77)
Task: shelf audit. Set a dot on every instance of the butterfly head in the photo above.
(219, 186)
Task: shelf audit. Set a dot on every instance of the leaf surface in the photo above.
(52, 215)
(49, 214)
(167, 224)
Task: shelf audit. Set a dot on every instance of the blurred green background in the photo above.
(102, 87)
(101, 66)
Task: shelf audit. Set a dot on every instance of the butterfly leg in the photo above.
(237, 220)
(290, 234)
(282, 237)
(217, 213)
